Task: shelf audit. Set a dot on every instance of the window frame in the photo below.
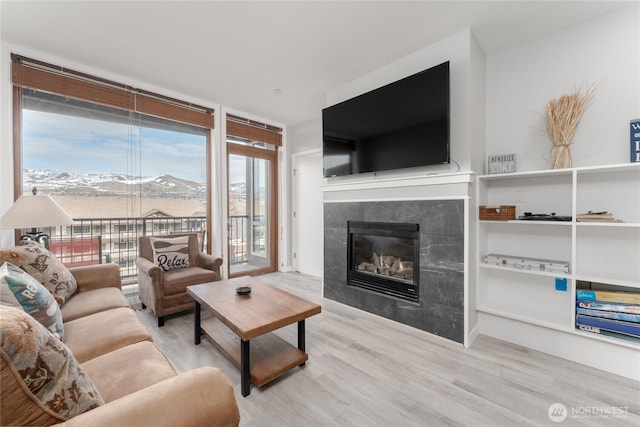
(37, 75)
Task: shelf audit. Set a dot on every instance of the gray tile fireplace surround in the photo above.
(440, 308)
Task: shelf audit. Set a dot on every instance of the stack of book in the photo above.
(608, 313)
(596, 217)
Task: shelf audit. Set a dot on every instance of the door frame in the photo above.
(294, 201)
(272, 156)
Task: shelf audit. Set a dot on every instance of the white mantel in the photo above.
(373, 187)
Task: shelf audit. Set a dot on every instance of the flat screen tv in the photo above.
(401, 125)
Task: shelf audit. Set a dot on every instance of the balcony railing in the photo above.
(104, 240)
(238, 238)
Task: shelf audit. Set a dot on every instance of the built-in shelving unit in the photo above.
(532, 307)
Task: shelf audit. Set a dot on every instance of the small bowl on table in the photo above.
(243, 291)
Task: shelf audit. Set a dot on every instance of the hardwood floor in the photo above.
(364, 370)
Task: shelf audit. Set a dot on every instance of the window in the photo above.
(75, 148)
(82, 229)
(115, 158)
(125, 228)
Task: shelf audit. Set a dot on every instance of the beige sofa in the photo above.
(137, 383)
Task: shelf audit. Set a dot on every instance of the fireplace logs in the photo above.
(387, 265)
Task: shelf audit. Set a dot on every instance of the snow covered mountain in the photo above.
(49, 181)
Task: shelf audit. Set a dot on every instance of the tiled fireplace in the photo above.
(413, 252)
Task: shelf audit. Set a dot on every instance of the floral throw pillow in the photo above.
(170, 253)
(46, 366)
(18, 289)
(42, 265)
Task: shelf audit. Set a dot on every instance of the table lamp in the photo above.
(32, 212)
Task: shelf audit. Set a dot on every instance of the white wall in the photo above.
(306, 136)
(521, 80)
(6, 144)
(308, 210)
(477, 113)
(464, 55)
(301, 138)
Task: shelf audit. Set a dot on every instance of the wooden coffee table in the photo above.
(240, 327)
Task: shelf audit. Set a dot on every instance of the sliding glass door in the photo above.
(252, 209)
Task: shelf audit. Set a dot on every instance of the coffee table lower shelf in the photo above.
(269, 357)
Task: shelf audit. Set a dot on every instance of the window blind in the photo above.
(32, 74)
(244, 128)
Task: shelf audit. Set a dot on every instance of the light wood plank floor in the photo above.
(364, 370)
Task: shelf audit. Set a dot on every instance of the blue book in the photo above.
(610, 306)
(609, 315)
(608, 296)
(635, 140)
(595, 324)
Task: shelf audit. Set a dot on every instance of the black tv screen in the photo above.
(401, 125)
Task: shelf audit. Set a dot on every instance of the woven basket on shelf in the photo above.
(503, 213)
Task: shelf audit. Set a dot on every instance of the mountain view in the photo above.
(49, 181)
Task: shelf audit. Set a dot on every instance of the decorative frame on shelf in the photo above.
(501, 163)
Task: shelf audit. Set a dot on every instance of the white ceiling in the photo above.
(238, 53)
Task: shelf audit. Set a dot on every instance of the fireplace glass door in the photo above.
(384, 257)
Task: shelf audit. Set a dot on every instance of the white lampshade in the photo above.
(33, 212)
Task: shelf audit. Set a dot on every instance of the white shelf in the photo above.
(530, 174)
(620, 167)
(543, 318)
(527, 222)
(565, 223)
(609, 224)
(601, 252)
(609, 339)
(556, 324)
(609, 281)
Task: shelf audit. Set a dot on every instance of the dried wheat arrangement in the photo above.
(563, 116)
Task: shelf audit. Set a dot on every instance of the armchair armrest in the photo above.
(149, 268)
(210, 262)
(90, 277)
(201, 397)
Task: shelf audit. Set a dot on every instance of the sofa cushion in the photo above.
(176, 282)
(128, 369)
(85, 303)
(99, 333)
(170, 253)
(20, 290)
(52, 386)
(36, 260)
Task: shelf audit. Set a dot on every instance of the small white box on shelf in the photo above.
(522, 263)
